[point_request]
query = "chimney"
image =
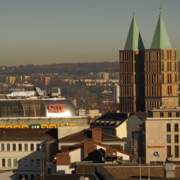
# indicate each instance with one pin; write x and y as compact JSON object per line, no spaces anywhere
{"x":63,"y":159}
{"x":97,"y":134}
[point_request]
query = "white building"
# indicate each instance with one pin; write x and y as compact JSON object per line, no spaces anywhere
{"x":116,"y":93}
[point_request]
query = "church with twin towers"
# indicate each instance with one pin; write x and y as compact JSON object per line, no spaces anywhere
{"x":148,"y":78}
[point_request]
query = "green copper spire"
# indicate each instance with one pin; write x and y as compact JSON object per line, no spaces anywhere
{"x":134,"y":40}
{"x":161,"y":39}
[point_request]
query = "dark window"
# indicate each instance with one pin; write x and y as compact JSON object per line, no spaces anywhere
{"x":176,"y":151}
{"x":32,"y":176}
{"x":168,"y":151}
{"x":176,"y":138}
{"x":176,"y":129}
{"x":14,"y":147}
{"x":32,"y":162}
{"x":26,"y":176}
{"x":38,"y":147}
{"x":38,"y":163}
{"x":177,"y":114}
{"x":161,"y":114}
{"x":32,"y":147}
{"x":2,"y":147}
{"x":168,"y":138}
{"x":3,"y":162}
{"x":20,"y":147}
{"x":168,"y":127}
{"x":169,"y":114}
{"x":20,"y":177}
{"x":8,"y":147}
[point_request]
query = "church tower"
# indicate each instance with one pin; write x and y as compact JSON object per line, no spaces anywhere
{"x":161,"y":71}
{"x":131,"y":71}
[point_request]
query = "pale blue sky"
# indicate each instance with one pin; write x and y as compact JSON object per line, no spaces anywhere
{"x":57,"y":31}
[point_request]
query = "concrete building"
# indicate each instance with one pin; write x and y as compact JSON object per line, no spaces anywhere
{"x":148,"y":78}
{"x":10,"y":79}
{"x":160,"y":135}
{"x":116,"y":93}
{"x":27,"y":151}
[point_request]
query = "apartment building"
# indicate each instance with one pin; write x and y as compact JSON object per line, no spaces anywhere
{"x":160,"y":135}
{"x":27,"y":151}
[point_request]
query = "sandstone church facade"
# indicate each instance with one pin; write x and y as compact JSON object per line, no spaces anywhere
{"x":148,"y":78}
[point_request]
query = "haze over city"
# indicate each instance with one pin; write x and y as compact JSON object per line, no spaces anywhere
{"x":45,"y":32}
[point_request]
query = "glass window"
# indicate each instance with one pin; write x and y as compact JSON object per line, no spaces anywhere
{"x":161,"y":114}
{"x":177,"y":114}
{"x":38,"y":163}
{"x":32,"y":176}
{"x":2,"y":147}
{"x":14,"y":147}
{"x":176,"y":138}
{"x":44,"y":163}
{"x":25,"y":147}
{"x":176,"y":151}
{"x":169,"y":151}
{"x":20,"y":147}
{"x":168,"y":138}
{"x":38,"y":147}
{"x":168,"y":127}
{"x":20,"y":163}
{"x":176,"y":128}
{"x":8,"y":147}
{"x":20,"y":176}
{"x":3,"y":162}
{"x":14,"y":162}
{"x":169,"y":114}
{"x":32,"y":147}
{"x":32,"y":163}
{"x":8,"y":162}
{"x":26,"y":176}
{"x":26,"y":163}
{"x":43,"y":147}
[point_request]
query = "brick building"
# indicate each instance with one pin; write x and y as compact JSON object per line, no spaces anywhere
{"x":148,"y":78}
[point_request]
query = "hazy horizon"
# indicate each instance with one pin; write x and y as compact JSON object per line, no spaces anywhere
{"x":76,"y":31}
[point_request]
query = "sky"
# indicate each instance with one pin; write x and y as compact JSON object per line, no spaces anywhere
{"x":69,"y":31}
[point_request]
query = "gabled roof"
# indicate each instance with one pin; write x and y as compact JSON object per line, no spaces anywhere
{"x":134,"y":40}
{"x":28,"y":134}
{"x":161,"y":39}
{"x":87,"y":134}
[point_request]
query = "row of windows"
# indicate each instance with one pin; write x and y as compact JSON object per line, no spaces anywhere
{"x":169,"y":78}
{"x":176,"y":138}
{"x":176,"y":151}
{"x":22,"y":147}
{"x":176,"y":126}
{"x":25,"y":163}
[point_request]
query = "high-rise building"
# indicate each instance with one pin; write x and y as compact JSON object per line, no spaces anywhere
{"x":116,"y":93}
{"x":148,"y":78}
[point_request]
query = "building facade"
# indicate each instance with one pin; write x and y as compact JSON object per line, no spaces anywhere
{"x":116,"y":93}
{"x":160,"y":136}
{"x":148,"y":78}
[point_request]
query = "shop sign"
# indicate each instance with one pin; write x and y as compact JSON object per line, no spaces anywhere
{"x":155,"y":147}
{"x":56,"y":108}
{"x":156,"y":153}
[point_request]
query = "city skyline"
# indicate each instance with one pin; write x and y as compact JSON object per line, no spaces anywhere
{"x":70,"y":31}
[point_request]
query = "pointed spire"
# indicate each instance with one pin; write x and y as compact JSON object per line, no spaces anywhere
{"x":134,"y":40}
{"x":161,"y":39}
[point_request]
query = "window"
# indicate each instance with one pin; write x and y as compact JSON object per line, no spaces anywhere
{"x":32,"y":176}
{"x":43,"y":147}
{"x":32,"y":147}
{"x":25,"y":147}
{"x":20,"y":163}
{"x":26,"y":176}
{"x":176,"y":129}
{"x":161,"y":114}
{"x":2,"y":147}
{"x":14,"y":147}
{"x":8,"y":162}
{"x":168,"y":151}
{"x":25,"y":163}
{"x":3,"y":162}
{"x":32,"y":163}
{"x":38,"y":163}
{"x":8,"y":147}
{"x":168,"y":127}
{"x":176,"y":151}
{"x":38,"y":147}
{"x":168,"y":138}
{"x":14,"y":162}
{"x":169,"y":114}
{"x":20,"y":147}
{"x":177,"y":114}
{"x":20,"y":176}
{"x":176,"y":138}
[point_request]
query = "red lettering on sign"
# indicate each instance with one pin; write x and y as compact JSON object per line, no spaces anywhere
{"x":155,"y":147}
{"x":56,"y":108}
